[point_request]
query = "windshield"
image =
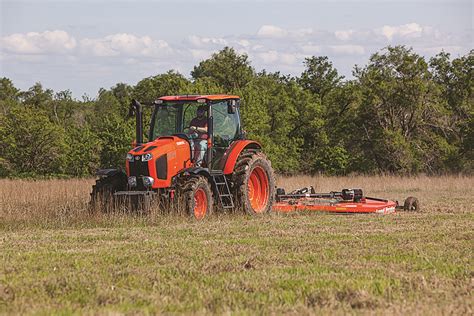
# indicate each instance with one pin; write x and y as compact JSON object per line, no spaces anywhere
{"x":172,"y":118}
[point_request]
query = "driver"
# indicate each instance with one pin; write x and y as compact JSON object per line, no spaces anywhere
{"x":198,"y":132}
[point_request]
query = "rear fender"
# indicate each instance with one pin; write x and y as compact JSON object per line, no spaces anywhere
{"x":199,"y":171}
{"x":232,"y":154}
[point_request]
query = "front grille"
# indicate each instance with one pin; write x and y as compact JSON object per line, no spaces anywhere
{"x":161,"y":165}
{"x":138,"y":168}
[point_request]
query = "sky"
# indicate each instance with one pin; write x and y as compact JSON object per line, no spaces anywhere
{"x":87,"y":45}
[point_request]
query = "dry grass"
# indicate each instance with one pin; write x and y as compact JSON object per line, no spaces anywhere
{"x":57,"y":258}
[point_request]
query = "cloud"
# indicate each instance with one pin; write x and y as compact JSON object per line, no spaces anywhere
{"x":311,"y":49}
{"x":344,"y":35}
{"x":39,"y":43}
{"x":271,"y":31}
{"x":198,"y":41}
{"x":410,"y":30}
{"x":124,"y":44}
{"x":268,"y":47}
{"x":201,"y":54}
{"x":347,"y":49}
{"x":272,"y":57}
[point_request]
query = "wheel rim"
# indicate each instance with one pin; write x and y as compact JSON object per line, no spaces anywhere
{"x":200,"y":204}
{"x":258,"y":189}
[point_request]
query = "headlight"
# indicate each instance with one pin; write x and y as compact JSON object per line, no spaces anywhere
{"x":130,"y":157}
{"x":147,"y":157}
{"x":132,"y":182}
{"x":148,"y":181}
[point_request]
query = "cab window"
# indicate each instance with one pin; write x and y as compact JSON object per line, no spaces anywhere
{"x":225,"y":125}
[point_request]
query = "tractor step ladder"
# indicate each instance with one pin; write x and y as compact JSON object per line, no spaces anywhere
{"x":222,"y":186}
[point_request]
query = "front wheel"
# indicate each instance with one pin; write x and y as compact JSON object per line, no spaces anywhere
{"x":195,"y":195}
{"x":254,"y":183}
{"x":102,"y":195}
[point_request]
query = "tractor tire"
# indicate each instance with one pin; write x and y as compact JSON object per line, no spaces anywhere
{"x":102,"y":195}
{"x":195,"y":197}
{"x":411,"y":204}
{"x":253,"y":183}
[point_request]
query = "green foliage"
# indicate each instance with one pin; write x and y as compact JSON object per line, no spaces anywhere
{"x":30,"y":143}
{"x":400,"y":114}
{"x":170,"y":83}
{"x":319,"y":77}
{"x":269,"y":108}
{"x":114,"y":131}
{"x":226,"y":68}
{"x":83,"y":154}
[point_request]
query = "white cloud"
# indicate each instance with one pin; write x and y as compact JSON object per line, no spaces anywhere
{"x":126,"y":45}
{"x":244,"y":43}
{"x":206,"y":41}
{"x":311,"y":49}
{"x":271,"y":31}
{"x":410,"y":30}
{"x":302,"y":32}
{"x":39,"y":43}
{"x":270,"y":47}
{"x":272,"y":57}
{"x":452,"y":49}
{"x":201,"y":54}
{"x":344,"y":35}
{"x":347,"y":49}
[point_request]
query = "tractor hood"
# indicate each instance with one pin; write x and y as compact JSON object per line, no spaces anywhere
{"x":160,"y":159}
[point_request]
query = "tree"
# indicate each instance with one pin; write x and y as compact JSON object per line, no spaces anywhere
{"x":37,"y":97}
{"x":454,"y":79}
{"x":114,"y":130}
{"x":8,"y":95}
{"x":226,"y":68}
{"x":319,"y":77}
{"x":170,"y":83}
{"x":31,"y":143}
{"x":269,"y":110}
{"x":84,"y":151}
{"x":398,"y":116}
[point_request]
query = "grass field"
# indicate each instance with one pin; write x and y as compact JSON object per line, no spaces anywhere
{"x":55,"y":258}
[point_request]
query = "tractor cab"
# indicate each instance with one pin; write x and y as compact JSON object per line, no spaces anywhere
{"x":210,"y":124}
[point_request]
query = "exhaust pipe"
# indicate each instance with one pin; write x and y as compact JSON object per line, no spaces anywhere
{"x":136,"y":108}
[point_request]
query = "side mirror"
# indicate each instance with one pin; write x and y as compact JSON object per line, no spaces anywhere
{"x":231,"y":106}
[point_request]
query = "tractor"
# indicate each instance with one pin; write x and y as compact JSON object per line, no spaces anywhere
{"x":197,"y":157}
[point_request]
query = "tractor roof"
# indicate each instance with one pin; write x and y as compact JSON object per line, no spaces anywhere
{"x":195,"y":97}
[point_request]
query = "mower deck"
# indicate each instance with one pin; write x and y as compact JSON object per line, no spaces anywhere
{"x":348,"y":201}
{"x":335,"y":206}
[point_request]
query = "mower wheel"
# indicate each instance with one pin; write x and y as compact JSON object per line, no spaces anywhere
{"x":102,"y":195}
{"x":411,"y":204}
{"x":253,"y":183}
{"x":195,"y":195}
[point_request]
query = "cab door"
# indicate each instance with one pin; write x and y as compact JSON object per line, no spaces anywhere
{"x":226,"y":129}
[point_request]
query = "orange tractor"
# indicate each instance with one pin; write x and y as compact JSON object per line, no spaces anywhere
{"x":197,"y":156}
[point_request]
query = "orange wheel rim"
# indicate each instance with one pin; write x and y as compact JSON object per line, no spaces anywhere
{"x":258,"y":189}
{"x":200,"y":204}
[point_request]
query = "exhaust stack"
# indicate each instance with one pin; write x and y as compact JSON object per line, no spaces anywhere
{"x":136,"y":108}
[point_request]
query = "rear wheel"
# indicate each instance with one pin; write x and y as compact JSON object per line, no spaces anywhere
{"x":195,"y":196}
{"x":102,"y":195}
{"x":253,"y":183}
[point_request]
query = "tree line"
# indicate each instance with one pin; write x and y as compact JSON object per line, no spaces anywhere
{"x":400,"y":113}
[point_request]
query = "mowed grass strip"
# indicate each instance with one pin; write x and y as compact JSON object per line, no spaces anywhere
{"x":62,"y":260}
